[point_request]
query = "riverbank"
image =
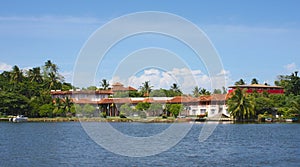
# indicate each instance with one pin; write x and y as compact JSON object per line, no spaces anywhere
{"x":144,"y":120}
{"x":108,"y":119}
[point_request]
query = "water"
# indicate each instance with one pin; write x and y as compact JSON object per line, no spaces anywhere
{"x":66,"y":144}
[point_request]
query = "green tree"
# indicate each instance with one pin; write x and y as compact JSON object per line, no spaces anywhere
{"x":13,"y":103}
{"x":50,"y":67}
{"x":217,"y":91}
{"x":196,"y":91}
{"x":126,"y":110}
{"x":104,"y":84}
{"x":146,"y":88}
{"x":91,"y":88}
{"x":240,"y":106}
{"x":175,"y":90}
{"x":53,"y":81}
{"x":142,"y":106}
{"x":88,"y":110}
{"x":16,"y":74}
{"x":159,"y":93}
{"x":155,"y":109}
{"x":175,"y":109}
{"x":204,"y":91}
{"x":240,"y":82}
{"x":254,"y":81}
{"x":34,"y":75}
{"x":67,"y":105}
{"x":58,"y":110}
{"x":46,"y":110}
{"x":290,"y":83}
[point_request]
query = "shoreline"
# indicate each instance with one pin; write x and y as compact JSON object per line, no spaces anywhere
{"x":141,"y":120}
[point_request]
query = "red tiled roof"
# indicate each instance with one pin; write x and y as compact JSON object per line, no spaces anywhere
{"x":120,"y":87}
{"x":81,"y":92}
{"x":84,"y":101}
{"x":213,"y":97}
{"x":115,"y":100}
{"x":255,"y":86}
{"x":183,"y":99}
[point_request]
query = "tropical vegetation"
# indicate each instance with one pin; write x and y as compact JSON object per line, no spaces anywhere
{"x":27,"y":92}
{"x":243,"y":106}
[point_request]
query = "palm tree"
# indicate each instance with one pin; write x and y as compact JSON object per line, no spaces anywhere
{"x":67,"y":104}
{"x":240,"y":82}
{"x":57,"y":106}
{"x":175,"y":89}
{"x":240,"y":106}
{"x":16,"y":74}
{"x":53,"y":80}
{"x":35,"y":75}
{"x":254,"y":81}
{"x":104,"y":84}
{"x":50,"y":67}
{"x":196,"y":91}
{"x":146,"y":88}
{"x":204,"y":91}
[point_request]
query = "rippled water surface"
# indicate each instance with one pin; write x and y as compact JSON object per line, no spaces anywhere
{"x":67,"y":144}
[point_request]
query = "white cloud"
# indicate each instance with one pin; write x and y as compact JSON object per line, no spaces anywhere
{"x":5,"y":67}
{"x":151,"y":72}
{"x":224,"y":72}
{"x":291,"y":67}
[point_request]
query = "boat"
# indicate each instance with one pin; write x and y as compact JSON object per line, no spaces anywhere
{"x":291,"y":120}
{"x":19,"y":118}
{"x":269,"y":120}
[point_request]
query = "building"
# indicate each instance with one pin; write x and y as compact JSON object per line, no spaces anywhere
{"x":103,"y":101}
{"x":82,"y":94}
{"x":208,"y":105}
{"x":118,"y":87}
{"x":259,"y":88}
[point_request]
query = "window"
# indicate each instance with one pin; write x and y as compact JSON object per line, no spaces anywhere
{"x":194,"y":112}
{"x":202,"y":111}
{"x":220,"y":109}
{"x":212,"y":111}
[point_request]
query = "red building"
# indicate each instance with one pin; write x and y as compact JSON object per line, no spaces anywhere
{"x":258,"y":88}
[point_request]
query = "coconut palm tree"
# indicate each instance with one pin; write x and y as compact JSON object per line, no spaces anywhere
{"x":240,"y":106}
{"x":67,"y":105}
{"x":196,"y":91}
{"x":34,"y":75}
{"x":16,"y":74}
{"x":50,"y":67}
{"x":175,"y":88}
{"x":240,"y":82}
{"x":104,"y":84}
{"x":204,"y":91}
{"x":146,"y":88}
{"x":53,"y":80}
{"x":57,"y":106}
{"x":254,"y":81}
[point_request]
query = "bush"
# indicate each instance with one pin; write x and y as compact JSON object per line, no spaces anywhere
{"x":143,"y":115}
{"x":122,"y":116}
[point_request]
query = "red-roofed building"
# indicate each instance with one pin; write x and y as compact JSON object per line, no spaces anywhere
{"x":204,"y":105}
{"x":118,"y":87}
{"x":258,"y":88}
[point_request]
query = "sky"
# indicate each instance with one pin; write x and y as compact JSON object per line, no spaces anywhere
{"x":253,"y":38}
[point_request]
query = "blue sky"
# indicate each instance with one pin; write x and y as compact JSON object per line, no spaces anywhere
{"x":254,"y":39}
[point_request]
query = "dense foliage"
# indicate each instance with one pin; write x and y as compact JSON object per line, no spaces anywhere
{"x":27,"y":92}
{"x":243,"y":106}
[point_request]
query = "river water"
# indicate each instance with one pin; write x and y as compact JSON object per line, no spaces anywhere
{"x":67,"y":144}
